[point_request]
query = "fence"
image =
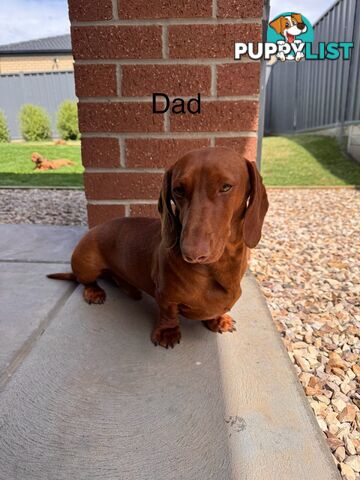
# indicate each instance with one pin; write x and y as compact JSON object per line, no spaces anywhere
{"x":315,"y":94}
{"x":47,"y":89}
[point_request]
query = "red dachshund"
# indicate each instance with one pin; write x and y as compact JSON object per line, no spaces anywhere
{"x":212,"y":208}
{"x":42,"y":163}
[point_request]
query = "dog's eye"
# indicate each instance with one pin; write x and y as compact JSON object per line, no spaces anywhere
{"x":226,"y":187}
{"x":179,"y":191}
{"x":287,"y":24}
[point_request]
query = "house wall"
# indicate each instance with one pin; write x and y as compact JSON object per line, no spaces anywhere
{"x":35,"y":63}
{"x":126,"y":51}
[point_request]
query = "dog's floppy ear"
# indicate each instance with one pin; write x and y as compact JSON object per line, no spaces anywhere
{"x":297,"y":17}
{"x":257,"y":207}
{"x":170,"y":223}
{"x":276,"y":25}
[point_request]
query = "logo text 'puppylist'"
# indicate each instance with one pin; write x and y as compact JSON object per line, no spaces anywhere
{"x":290,"y":36}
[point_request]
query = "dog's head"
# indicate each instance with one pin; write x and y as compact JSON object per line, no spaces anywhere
{"x":205,"y":196}
{"x":36,"y":158}
{"x":289,"y":26}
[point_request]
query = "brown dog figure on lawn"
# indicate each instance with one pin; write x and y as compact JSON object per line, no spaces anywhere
{"x":212,"y":206}
{"x":42,"y":163}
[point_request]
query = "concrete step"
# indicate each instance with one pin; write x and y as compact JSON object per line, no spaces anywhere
{"x":94,"y":399}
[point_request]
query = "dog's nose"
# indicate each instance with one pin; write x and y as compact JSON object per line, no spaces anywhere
{"x":301,"y":26}
{"x":196,"y":253}
{"x":200,"y":259}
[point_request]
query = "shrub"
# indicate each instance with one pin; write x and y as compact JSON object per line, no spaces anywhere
{"x":67,"y":121}
{"x":4,"y":130}
{"x":35,"y":123}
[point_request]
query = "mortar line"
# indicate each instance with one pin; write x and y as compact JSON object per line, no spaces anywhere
{"x":115,"y":10}
{"x":147,"y":99}
{"x":167,"y":135}
{"x":167,"y":121}
{"x":122,"y":153}
{"x":118,"y":79}
{"x":29,"y":344}
{"x":127,"y":209}
{"x":213,"y":87}
{"x":161,"y":61}
{"x":123,"y":202}
{"x":165,"y":42}
{"x":214,"y":8}
{"x":169,"y":21}
{"x":123,"y":169}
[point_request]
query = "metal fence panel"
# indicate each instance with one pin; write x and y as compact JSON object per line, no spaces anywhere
{"x":47,"y":89}
{"x":321,"y":93}
{"x":280,"y":113}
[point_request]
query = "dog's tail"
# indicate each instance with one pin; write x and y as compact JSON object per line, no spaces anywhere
{"x":63,"y":276}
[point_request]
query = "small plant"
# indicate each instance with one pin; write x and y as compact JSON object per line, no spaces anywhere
{"x":67,"y":121}
{"x":4,"y":130}
{"x":35,"y":123}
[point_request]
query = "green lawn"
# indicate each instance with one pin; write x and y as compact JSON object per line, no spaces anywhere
{"x":307,"y":160}
{"x":17,"y":169}
{"x":302,"y":160}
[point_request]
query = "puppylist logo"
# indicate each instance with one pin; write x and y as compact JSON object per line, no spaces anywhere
{"x":290,"y":36}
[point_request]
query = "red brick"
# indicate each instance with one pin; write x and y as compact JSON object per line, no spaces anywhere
{"x":157,"y":153}
{"x":246,"y":146}
{"x":210,"y":41}
{"x":218,"y":116}
{"x":240,"y":8}
{"x":100,"y":152}
{"x":117,"y":42}
{"x":165,"y":9}
{"x":95,"y":80}
{"x":144,"y":210}
{"x":120,"y":186}
{"x":102,"y":213}
{"x":90,"y":10}
{"x":238,"y":79}
{"x":119,"y":117}
{"x":183,"y":80}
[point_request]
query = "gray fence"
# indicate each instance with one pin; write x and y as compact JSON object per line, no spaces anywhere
{"x":47,"y":89}
{"x":316,"y":94}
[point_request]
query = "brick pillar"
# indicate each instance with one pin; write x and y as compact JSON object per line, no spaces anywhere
{"x":124,"y":52}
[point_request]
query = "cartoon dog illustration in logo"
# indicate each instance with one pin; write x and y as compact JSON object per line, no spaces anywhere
{"x":289,"y":26}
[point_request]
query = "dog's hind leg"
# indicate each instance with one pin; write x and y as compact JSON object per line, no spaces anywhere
{"x":94,"y":294}
{"x":88,"y":265}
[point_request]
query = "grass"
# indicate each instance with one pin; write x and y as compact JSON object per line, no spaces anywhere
{"x":17,"y":169}
{"x":307,"y":160}
{"x":301,"y":160}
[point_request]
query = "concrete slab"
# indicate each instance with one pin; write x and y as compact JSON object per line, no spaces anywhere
{"x":38,"y":243}
{"x":28,"y":300}
{"x":96,"y":400}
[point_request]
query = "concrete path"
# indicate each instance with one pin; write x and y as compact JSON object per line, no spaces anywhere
{"x":84,"y":394}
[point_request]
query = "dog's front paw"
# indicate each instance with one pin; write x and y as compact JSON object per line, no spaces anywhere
{"x":166,"y":337}
{"x":223,"y":324}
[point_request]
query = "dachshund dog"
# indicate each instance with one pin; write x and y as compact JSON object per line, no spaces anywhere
{"x":42,"y":163}
{"x":212,"y":207}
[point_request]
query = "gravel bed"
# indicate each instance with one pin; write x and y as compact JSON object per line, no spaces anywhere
{"x":49,"y":207}
{"x":308,"y":265}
